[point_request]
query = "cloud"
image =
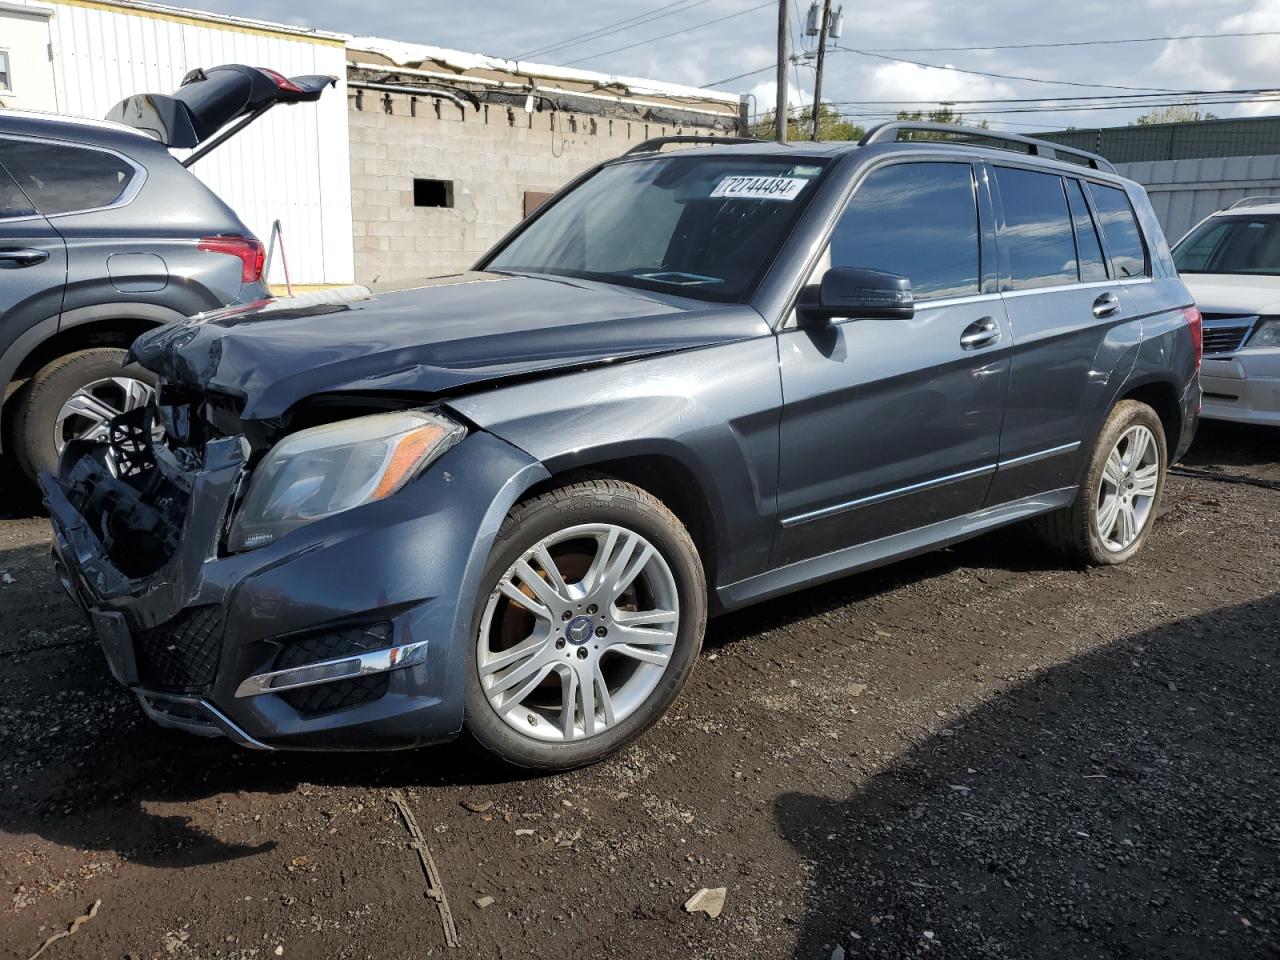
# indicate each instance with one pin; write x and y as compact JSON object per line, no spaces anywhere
{"x":906,"y":81}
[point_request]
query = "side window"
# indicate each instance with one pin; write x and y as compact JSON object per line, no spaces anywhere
{"x":13,"y":203}
{"x":1037,"y":229}
{"x":1088,"y":247}
{"x":1120,"y":229}
{"x":61,"y":179}
{"x":918,"y":220}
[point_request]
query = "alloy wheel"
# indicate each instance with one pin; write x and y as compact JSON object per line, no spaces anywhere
{"x":1127,"y":488}
{"x":87,"y":412}
{"x":578,"y":632}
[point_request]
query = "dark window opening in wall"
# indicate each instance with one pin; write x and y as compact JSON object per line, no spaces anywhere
{"x":432,"y":193}
{"x":533,"y":199}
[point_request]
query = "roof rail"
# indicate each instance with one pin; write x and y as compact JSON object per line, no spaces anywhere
{"x":1037,"y":148}
{"x":657,"y":143}
{"x":1255,"y":201}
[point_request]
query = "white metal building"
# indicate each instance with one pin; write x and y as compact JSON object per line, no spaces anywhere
{"x":82,"y":57}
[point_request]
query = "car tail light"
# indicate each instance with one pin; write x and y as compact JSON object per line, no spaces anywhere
{"x":1196,"y":324}
{"x":249,"y":249}
{"x":283,"y":82}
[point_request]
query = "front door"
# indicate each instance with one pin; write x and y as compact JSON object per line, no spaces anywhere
{"x":890,"y":425}
{"x":33,"y":265}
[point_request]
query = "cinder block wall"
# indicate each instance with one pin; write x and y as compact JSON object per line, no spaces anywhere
{"x":492,"y":157}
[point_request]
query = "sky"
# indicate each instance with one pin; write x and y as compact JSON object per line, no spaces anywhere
{"x":745,"y":36}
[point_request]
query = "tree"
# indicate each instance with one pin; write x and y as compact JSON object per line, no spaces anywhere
{"x":1174,"y":113}
{"x":941,"y":115}
{"x":830,"y":125}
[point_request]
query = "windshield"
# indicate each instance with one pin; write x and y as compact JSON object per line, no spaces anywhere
{"x":697,"y":226}
{"x":1231,"y":245}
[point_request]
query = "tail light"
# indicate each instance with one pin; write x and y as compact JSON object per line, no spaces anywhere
{"x":250,"y":250}
{"x":1195,"y":323}
{"x":283,"y":82}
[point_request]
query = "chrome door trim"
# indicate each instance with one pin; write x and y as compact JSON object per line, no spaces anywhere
{"x":881,"y":497}
{"x":1039,"y":455}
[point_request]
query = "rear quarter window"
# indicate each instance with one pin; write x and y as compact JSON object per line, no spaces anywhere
{"x":1120,"y":230}
{"x":59,"y":178}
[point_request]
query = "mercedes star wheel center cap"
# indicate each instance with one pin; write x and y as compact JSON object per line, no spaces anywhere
{"x":579,"y":630}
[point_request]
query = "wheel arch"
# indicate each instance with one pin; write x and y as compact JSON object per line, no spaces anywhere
{"x":1161,"y":395}
{"x":102,"y":325}
{"x":667,"y":477}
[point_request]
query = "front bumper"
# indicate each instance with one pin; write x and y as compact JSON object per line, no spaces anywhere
{"x":1244,"y":388}
{"x":403,"y":570}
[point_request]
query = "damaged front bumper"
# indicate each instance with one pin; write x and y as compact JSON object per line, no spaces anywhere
{"x":347,"y":633}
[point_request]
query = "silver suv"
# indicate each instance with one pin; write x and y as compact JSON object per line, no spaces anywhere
{"x":103,"y":235}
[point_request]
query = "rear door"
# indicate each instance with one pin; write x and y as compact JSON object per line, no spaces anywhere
{"x":33,"y":263}
{"x":1073,"y":325}
{"x":889,"y":425}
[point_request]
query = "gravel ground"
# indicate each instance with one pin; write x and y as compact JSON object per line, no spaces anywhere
{"x":977,"y":753}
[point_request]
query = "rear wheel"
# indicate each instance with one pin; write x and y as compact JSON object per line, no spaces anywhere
{"x":589,"y":620}
{"x":1116,"y":506}
{"x":74,"y":397}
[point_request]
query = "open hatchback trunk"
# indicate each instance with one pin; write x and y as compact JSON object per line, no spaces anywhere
{"x":209,"y":100}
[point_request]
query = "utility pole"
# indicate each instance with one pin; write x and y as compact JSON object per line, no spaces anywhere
{"x":784,"y":56}
{"x":817,"y":76}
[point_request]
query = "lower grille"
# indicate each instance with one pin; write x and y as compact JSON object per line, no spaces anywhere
{"x":333,"y":646}
{"x":181,"y":655}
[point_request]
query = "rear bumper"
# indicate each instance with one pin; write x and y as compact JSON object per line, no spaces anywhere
{"x":1244,"y":388}
{"x":403,"y":571}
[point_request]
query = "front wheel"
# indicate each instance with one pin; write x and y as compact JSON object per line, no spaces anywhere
{"x":590,"y":616}
{"x":1120,"y":493}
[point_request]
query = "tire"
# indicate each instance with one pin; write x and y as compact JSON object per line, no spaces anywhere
{"x":1076,"y":531}
{"x":523,"y":720}
{"x":35,"y":442}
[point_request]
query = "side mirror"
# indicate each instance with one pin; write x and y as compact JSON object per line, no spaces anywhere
{"x":854,"y":293}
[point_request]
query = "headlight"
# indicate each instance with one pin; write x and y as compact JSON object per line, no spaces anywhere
{"x":1266,"y":334}
{"x":324,"y":470}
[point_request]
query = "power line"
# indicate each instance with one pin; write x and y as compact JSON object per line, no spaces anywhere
{"x":1138,"y":98}
{"x":616,"y":27}
{"x":674,"y":33}
{"x":1072,"y":43}
{"x":1003,"y":76}
{"x":870,"y":51}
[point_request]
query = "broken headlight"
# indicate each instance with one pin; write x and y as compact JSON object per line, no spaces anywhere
{"x":324,"y":470}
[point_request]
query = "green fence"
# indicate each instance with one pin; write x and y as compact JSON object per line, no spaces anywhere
{"x":1246,"y":137}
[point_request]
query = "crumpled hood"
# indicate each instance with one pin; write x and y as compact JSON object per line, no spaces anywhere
{"x":452,"y":332}
{"x":1234,"y":293}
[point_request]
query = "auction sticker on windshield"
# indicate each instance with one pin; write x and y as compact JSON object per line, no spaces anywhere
{"x":759,"y":188}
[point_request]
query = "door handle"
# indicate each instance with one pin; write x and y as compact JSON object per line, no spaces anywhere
{"x":980,"y":333}
{"x":12,"y":257}
{"x":1107,"y":305}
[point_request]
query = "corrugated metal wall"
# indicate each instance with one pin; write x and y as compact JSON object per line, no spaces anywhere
{"x":1231,"y":137}
{"x":293,"y":164}
{"x":1183,"y":192}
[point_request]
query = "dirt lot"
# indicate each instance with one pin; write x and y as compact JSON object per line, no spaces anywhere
{"x":979,"y":753}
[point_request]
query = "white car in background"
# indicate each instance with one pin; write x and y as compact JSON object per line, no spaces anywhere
{"x":1231,"y":263}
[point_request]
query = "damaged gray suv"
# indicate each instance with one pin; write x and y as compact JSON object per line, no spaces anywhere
{"x":507,"y":501}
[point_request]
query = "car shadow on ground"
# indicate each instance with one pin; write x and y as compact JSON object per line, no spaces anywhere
{"x":1122,"y":804}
